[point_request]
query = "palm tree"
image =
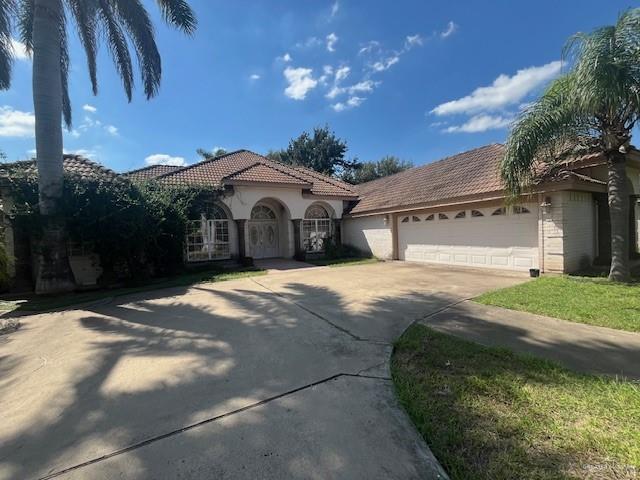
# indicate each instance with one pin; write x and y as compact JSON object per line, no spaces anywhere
{"x":42,"y":25}
{"x":596,"y":102}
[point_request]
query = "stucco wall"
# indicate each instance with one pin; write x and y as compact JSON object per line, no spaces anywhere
{"x":244,"y":198}
{"x":369,"y":234}
{"x":567,"y":230}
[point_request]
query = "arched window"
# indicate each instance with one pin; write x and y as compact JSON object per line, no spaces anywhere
{"x":262,"y":212}
{"x":415,"y":219}
{"x":404,"y":220}
{"x":519,"y":210}
{"x":208,"y":238}
{"x":462,"y":214}
{"x":429,"y":218}
{"x":316,"y":229}
{"x":442,"y":216}
{"x":477,"y":213}
{"x":499,"y":211}
{"x":316,"y":211}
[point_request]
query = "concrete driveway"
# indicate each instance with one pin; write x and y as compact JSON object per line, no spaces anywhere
{"x":279,"y":376}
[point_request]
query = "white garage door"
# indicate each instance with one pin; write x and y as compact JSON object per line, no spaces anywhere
{"x":495,"y":237}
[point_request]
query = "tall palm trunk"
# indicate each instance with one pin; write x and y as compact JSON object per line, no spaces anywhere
{"x":53,"y":272}
{"x":619,"y":213}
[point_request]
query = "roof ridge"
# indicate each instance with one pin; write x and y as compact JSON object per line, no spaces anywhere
{"x":148,"y":167}
{"x":201,"y":162}
{"x":281,"y":167}
{"x":332,"y":180}
{"x":435,"y":162}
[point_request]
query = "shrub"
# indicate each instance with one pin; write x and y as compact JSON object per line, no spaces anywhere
{"x":137,"y":229}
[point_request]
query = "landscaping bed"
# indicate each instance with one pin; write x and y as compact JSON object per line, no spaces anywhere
{"x":594,"y":301}
{"x":487,"y":413}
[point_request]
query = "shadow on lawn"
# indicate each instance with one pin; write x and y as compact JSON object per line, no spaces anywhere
{"x":158,"y":361}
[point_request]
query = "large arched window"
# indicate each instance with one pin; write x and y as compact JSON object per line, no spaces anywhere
{"x":208,"y":238}
{"x":316,"y":228}
{"x":262,"y":212}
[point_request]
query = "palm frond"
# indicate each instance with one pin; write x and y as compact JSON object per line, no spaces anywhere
{"x":179,"y":14}
{"x":85,"y":14}
{"x":117,"y":45}
{"x":7,"y":10}
{"x":135,"y":19}
{"x":553,"y":121}
{"x":25,"y":24}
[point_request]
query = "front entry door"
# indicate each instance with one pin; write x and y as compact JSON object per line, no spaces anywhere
{"x":263,"y":239}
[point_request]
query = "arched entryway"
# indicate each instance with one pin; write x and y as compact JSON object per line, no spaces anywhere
{"x":263,"y":232}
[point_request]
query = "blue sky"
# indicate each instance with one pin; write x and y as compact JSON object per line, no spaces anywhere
{"x":416,"y":79}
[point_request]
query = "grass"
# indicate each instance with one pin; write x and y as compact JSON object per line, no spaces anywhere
{"x":33,"y":303}
{"x":341,"y":262}
{"x":488,"y":413}
{"x":594,"y":301}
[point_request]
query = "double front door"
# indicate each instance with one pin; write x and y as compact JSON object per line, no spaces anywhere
{"x":263,"y":238}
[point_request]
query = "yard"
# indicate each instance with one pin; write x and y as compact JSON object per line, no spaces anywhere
{"x":487,"y":413}
{"x":593,"y":301}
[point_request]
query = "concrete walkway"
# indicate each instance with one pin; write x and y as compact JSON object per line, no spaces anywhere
{"x":581,"y":347}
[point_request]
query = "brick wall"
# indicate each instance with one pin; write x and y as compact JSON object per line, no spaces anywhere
{"x":369,"y":234}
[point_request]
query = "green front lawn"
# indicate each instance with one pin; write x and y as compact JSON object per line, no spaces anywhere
{"x":33,"y":303}
{"x":341,"y":262}
{"x":594,"y":301}
{"x":487,"y":413}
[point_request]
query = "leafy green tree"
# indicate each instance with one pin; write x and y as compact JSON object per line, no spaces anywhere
{"x":595,"y":103}
{"x":42,"y":25}
{"x":322,"y":152}
{"x":210,"y":154}
{"x":368,"y":171}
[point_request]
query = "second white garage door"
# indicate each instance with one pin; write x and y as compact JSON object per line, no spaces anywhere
{"x":484,"y":237}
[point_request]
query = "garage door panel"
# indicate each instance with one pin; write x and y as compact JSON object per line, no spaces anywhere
{"x":503,"y":241}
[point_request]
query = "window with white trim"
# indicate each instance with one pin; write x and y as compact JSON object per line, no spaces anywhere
{"x":316,"y":229}
{"x":208,"y":238}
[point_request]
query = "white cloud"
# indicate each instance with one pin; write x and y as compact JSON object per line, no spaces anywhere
{"x":286,"y":58}
{"x":332,"y":38}
{"x":254,"y":77}
{"x":352,"y":102}
{"x":384,"y":64}
{"x":74,"y":133}
{"x":19,"y":50}
{"x":413,"y":40}
{"x":83,"y":152}
{"x":164,"y":159}
{"x":450,"y":30}
{"x":365,"y":86}
{"x":369,"y":47}
{"x":15,"y":123}
{"x":342,"y":73}
{"x":301,"y":82}
{"x":112,"y":130}
{"x":89,"y":108}
{"x":334,"y":8}
{"x":481,"y":123}
{"x":309,"y":42}
{"x":504,"y":91}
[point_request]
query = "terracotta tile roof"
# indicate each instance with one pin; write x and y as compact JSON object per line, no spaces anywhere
{"x":246,"y":166}
{"x":469,"y":173}
{"x":264,"y":174}
{"x":150,"y":172}
{"x":72,"y":164}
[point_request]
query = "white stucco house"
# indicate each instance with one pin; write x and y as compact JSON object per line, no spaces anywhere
{"x":267,"y":209}
{"x":450,"y":212}
{"x":453,"y":212}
